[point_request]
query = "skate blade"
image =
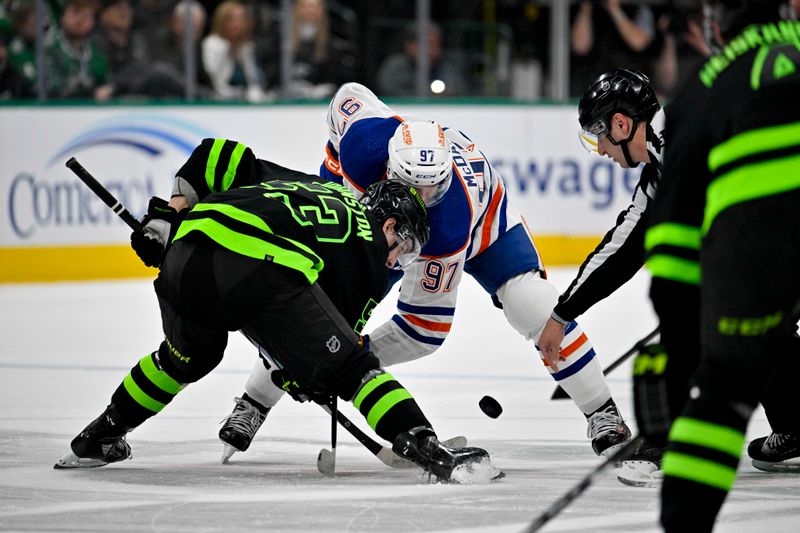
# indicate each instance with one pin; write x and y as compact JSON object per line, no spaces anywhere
{"x":644,"y":474}
{"x":73,"y":461}
{"x":456,"y":442}
{"x":611,"y":450}
{"x":477,"y":473}
{"x":790,"y":466}
{"x":227,"y":453}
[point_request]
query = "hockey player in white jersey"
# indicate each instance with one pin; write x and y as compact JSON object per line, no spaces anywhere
{"x":475,"y":229}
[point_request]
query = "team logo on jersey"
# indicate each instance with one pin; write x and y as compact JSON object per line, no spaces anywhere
{"x":333,"y":344}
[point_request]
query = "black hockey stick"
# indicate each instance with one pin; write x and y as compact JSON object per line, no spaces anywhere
{"x":560,"y":394}
{"x":386,"y":455}
{"x":103,"y":194}
{"x":571,"y":495}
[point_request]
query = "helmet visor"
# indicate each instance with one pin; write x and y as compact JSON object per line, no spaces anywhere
{"x":588,"y":141}
{"x":592,"y":133}
{"x":406,"y":248}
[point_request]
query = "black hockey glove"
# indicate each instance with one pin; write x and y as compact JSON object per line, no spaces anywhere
{"x":650,"y":397}
{"x":160,"y":224}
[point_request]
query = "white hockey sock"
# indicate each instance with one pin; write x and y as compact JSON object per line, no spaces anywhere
{"x":587,"y":387}
{"x":260,"y":387}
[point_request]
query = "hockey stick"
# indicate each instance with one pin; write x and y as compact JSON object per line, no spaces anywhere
{"x":571,"y":495}
{"x":386,"y":455}
{"x":326,"y":460}
{"x":103,"y":194}
{"x":560,"y":394}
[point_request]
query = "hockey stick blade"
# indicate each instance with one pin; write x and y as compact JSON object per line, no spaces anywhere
{"x":574,"y":493}
{"x":326,"y":462}
{"x":384,"y":454}
{"x":561,"y":394}
{"x":109,"y":199}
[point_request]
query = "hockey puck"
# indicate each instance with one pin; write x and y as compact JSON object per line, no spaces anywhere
{"x":490,"y":407}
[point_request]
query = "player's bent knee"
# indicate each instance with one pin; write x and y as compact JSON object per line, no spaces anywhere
{"x":183,"y":367}
{"x":528,"y":301}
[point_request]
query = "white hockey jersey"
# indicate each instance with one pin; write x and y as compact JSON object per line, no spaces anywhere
{"x":473,"y":216}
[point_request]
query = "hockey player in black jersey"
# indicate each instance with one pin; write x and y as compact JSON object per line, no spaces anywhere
{"x":725,"y":220}
{"x":253,"y":258}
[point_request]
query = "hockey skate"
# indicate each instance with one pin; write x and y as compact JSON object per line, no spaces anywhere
{"x":607,"y":430}
{"x":779,"y":452}
{"x":465,"y":466}
{"x":643,"y":467}
{"x":240,"y":427}
{"x":100,"y":443}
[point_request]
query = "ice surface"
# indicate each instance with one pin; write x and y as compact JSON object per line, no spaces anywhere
{"x":65,"y":347}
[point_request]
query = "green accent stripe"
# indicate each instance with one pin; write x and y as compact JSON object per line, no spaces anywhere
{"x":235,"y":213}
{"x":750,"y":182}
{"x":159,"y":378}
{"x":370,"y":386}
{"x":384,"y":404}
{"x":256,"y":248}
{"x":698,"y":470}
{"x":708,"y":435}
{"x":758,"y":66}
{"x":674,"y":268}
{"x":140,"y":396}
{"x":233,"y":164}
{"x":672,"y":234}
{"x":211,"y":164}
{"x":754,"y":142}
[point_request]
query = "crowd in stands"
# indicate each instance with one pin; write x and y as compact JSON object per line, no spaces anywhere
{"x":103,"y":49}
{"x":128,"y":49}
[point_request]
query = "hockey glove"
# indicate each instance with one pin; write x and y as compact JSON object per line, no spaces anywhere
{"x":160,"y":224}
{"x":650,"y":394}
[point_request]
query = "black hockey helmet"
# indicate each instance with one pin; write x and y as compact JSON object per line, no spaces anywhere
{"x":618,"y":90}
{"x":395,"y":199}
{"x":732,"y":16}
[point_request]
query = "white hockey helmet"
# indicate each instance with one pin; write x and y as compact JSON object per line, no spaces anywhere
{"x":419,"y":155}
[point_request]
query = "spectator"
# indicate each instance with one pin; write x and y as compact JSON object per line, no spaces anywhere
{"x":322,"y":60}
{"x":685,"y":47}
{"x":167,"y":77}
{"x":397,"y":74}
{"x":127,"y":54}
{"x":75,"y":68}
{"x":21,"y":55}
{"x":606,"y":35}
{"x":229,"y":55}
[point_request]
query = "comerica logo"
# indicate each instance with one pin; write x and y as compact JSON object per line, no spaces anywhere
{"x":34,"y":204}
{"x":133,"y":155}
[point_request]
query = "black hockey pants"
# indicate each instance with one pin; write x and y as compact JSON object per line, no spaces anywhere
{"x":206,"y":291}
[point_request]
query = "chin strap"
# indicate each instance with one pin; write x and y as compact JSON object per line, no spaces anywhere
{"x":627,"y":154}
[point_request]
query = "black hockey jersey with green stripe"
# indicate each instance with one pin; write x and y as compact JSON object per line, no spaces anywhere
{"x":732,"y":135}
{"x":297,"y":220}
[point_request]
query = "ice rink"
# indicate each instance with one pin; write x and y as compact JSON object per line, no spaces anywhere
{"x":64,"y":348}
